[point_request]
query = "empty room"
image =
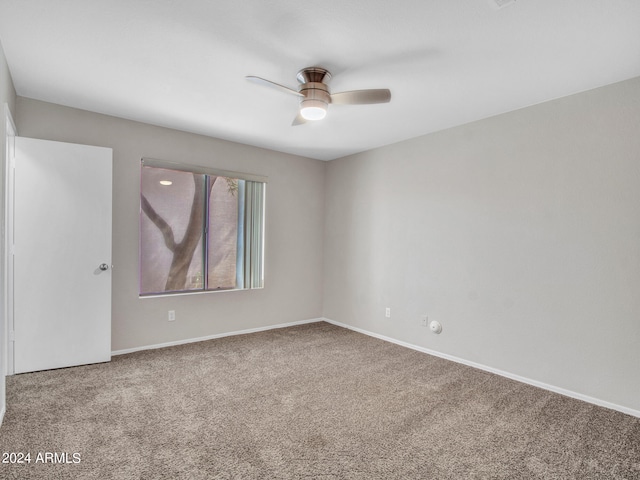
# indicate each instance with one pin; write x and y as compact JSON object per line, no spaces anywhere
{"x":332,"y":240}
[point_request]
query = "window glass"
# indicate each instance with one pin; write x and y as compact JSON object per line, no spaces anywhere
{"x":199,"y":231}
{"x":223,"y":233}
{"x":171,"y":227}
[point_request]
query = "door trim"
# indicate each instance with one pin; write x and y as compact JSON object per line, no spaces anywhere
{"x":7,"y":274}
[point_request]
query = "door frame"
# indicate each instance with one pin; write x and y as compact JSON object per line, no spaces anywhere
{"x":7,"y":275}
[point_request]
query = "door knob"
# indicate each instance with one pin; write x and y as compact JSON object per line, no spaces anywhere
{"x":104,"y":266}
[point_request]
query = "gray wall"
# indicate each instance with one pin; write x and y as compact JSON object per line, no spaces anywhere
{"x":294,"y":226}
{"x":8,"y":96}
{"x":520,"y":233}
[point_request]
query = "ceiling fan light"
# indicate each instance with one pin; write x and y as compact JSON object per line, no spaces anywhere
{"x":311,"y":109}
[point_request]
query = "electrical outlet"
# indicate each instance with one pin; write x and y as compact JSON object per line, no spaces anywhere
{"x":387,"y":312}
{"x":172,"y":315}
{"x":425,"y":320}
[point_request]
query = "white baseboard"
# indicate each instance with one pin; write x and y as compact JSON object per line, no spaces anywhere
{"x":2,"y":412}
{"x":211,"y":337}
{"x":535,"y":383}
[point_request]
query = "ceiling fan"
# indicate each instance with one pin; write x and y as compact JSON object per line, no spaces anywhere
{"x":315,"y":95}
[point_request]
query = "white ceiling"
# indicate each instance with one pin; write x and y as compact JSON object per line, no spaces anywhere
{"x":181,"y":64}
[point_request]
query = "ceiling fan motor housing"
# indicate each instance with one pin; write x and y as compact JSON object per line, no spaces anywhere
{"x":316,"y":93}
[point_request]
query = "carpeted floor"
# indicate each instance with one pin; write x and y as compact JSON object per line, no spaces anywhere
{"x":313,"y":401}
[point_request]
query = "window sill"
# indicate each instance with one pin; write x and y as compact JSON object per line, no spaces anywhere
{"x":199,"y":292}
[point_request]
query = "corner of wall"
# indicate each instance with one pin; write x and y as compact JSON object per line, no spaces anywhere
{"x":7,"y":88}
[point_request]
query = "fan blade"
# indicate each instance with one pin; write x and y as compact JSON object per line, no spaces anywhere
{"x":269,"y":83}
{"x":299,"y":120}
{"x":361,"y":97}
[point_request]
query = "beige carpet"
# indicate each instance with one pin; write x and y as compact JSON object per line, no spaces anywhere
{"x":315,"y":402}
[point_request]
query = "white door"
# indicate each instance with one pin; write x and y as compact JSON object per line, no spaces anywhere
{"x":62,"y":254}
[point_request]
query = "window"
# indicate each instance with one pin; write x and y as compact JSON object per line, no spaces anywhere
{"x":200,"y":229}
